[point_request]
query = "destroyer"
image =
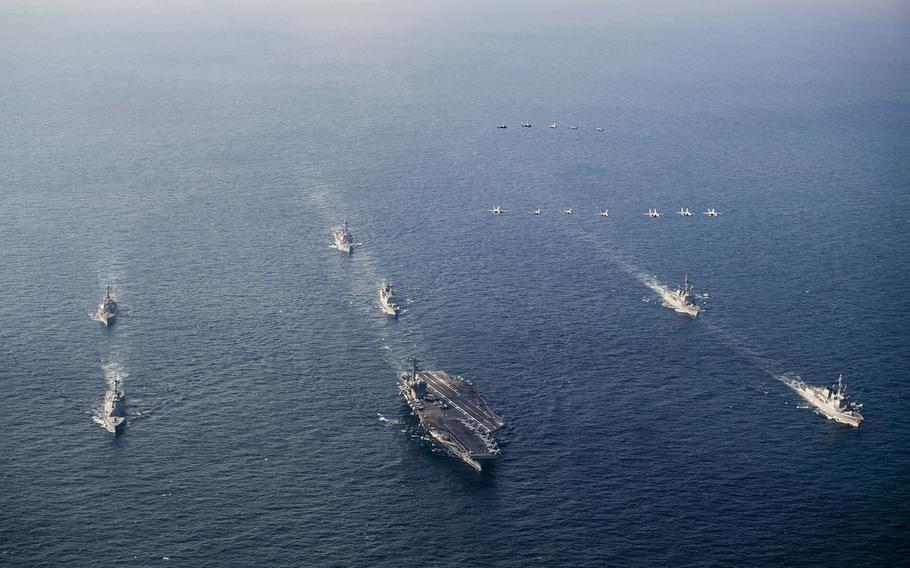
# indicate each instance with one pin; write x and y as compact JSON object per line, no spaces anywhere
{"x":107,"y":309}
{"x":454,"y":414}
{"x":113,"y":414}
{"x":343,"y":239}
{"x":831,"y":401}
{"x":681,"y":299}
{"x":386,"y":303}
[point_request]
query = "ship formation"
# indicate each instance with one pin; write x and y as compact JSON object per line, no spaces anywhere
{"x":387,"y":300}
{"x":343,"y":239}
{"x":454,"y":414}
{"x":681,"y":299}
{"x":832,"y":401}
{"x":107,"y":309}
{"x":449,"y":409}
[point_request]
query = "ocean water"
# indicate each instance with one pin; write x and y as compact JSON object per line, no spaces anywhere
{"x":197,"y":159}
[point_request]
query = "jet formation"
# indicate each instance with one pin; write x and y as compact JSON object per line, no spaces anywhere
{"x":652,"y":213}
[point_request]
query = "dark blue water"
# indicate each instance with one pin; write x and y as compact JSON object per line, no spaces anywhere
{"x":198,"y":161}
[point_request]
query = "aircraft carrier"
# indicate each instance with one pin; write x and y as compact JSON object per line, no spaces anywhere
{"x":454,"y":414}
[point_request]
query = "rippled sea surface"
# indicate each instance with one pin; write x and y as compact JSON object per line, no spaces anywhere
{"x":197,"y":161}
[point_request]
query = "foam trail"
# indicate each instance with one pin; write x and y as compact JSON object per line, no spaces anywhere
{"x":613,"y":255}
{"x":742,"y":347}
{"x":111,"y":272}
{"x":390,"y":422}
{"x":114,"y":373}
{"x":791,"y":380}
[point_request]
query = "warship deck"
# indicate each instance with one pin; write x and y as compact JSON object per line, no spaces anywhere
{"x":464,"y":403}
{"x":454,"y":414}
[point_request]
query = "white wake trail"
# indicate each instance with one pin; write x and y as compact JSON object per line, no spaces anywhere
{"x":608,"y":250}
{"x":114,"y":373}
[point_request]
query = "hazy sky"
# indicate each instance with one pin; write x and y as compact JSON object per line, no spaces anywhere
{"x":507,"y":16}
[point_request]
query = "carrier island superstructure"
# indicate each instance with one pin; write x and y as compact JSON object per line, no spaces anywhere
{"x":454,"y":414}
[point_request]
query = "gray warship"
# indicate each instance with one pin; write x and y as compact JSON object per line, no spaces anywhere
{"x":454,"y":414}
{"x":386,"y":300}
{"x":113,"y":413}
{"x":107,"y":309}
{"x":681,"y":299}
{"x":833,"y":401}
{"x":343,"y":239}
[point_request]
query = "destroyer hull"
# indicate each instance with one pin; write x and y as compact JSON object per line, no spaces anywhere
{"x":837,"y":417}
{"x":828,"y":411}
{"x":692,"y":312}
{"x":386,"y":301}
{"x":679,"y":307}
{"x":114,"y":424}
